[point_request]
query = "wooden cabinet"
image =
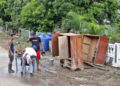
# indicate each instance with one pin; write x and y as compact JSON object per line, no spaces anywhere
{"x":70,"y":50}
{"x":74,"y":49}
{"x":95,"y":48}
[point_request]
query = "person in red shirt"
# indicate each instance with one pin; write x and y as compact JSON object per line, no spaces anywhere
{"x":57,"y":32}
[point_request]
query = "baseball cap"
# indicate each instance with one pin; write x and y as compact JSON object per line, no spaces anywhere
{"x":58,"y":30}
{"x":33,"y":33}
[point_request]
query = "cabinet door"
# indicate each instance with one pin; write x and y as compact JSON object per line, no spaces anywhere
{"x":101,"y":50}
{"x":76,"y":51}
{"x":55,"y":50}
{"x":63,"y":47}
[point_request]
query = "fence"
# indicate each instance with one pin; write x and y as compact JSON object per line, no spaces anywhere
{"x":113,"y":55}
{"x":26,"y":33}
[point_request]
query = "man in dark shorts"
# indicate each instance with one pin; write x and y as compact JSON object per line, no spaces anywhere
{"x":36,"y":41}
{"x":11,"y":53}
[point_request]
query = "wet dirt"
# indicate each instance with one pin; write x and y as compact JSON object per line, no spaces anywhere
{"x":46,"y":77}
{"x":43,"y":78}
{"x":54,"y":75}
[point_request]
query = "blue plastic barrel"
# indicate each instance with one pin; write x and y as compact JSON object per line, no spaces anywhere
{"x":50,"y":34}
{"x":45,"y":40}
{"x":49,"y":37}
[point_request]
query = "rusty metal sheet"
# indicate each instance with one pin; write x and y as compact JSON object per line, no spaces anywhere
{"x":63,"y":47}
{"x":101,"y":50}
{"x":76,"y":51}
{"x":55,"y":49}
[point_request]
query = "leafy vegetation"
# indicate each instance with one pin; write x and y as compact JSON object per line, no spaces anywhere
{"x":84,"y":16}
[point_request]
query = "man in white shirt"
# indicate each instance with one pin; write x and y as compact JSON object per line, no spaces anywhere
{"x":27,"y":57}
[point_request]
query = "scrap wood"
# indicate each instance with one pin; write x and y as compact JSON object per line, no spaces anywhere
{"x":93,"y":65}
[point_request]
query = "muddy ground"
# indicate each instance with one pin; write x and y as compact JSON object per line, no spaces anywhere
{"x":54,"y":75}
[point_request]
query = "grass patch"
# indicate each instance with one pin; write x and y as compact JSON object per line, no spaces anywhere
{"x":116,"y":76}
{"x":3,"y":35}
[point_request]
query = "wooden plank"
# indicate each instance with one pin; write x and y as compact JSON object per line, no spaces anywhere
{"x":86,"y":40}
{"x":95,"y":66}
{"x":86,"y":48}
{"x":101,"y":50}
{"x":76,"y":52}
{"x":55,"y":49}
{"x":73,"y":53}
{"x":69,"y":34}
{"x":86,"y":44}
{"x":63,"y":47}
{"x":79,"y":52}
{"x":85,"y":56}
{"x":89,"y":47}
{"x":93,"y":45}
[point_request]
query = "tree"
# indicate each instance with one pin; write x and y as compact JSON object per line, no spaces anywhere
{"x":44,"y":15}
{"x":32,"y":15}
{"x":13,"y":10}
{"x":3,"y":6}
